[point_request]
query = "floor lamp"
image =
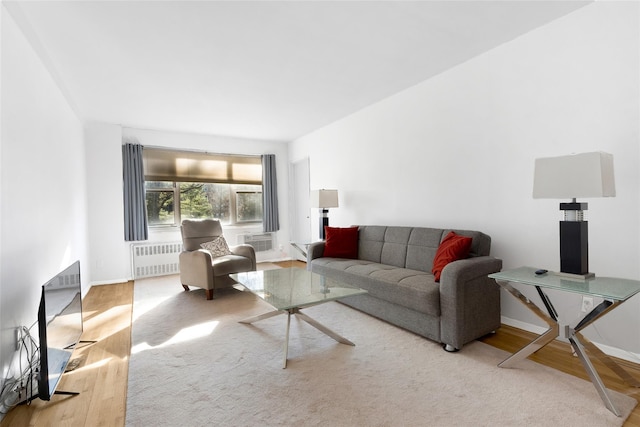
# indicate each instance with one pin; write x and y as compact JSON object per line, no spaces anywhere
{"x":569,"y":177}
{"x":324,"y":199}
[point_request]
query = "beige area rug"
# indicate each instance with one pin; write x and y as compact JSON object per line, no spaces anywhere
{"x":193,"y":364}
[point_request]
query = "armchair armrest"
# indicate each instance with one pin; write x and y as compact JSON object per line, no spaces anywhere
{"x":246,"y":251}
{"x":315,"y":250}
{"x":195,"y":268}
{"x":469,"y":300}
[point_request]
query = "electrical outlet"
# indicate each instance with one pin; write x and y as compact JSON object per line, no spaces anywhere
{"x":18,"y":338}
{"x":587,"y":304}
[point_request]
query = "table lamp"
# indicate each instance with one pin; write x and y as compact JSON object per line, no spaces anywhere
{"x":324,"y":199}
{"x":570,"y":177}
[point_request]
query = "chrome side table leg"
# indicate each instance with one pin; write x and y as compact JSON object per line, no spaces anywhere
{"x":535,"y":345}
{"x":552,"y":333}
{"x":593,"y":374}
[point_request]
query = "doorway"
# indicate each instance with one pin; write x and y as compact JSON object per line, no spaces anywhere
{"x":299,"y":207}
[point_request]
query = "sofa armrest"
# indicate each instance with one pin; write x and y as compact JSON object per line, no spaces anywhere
{"x":469,"y":300}
{"x":246,"y":251}
{"x":315,"y":250}
{"x":195,"y":268}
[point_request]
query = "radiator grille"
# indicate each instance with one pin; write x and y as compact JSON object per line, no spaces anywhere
{"x":261,"y":242}
{"x":155,"y":259}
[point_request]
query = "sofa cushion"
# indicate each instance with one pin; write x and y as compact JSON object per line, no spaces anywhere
{"x":422,"y":247}
{"x":394,"y":248}
{"x":452,"y":248}
{"x":371,"y":238}
{"x":341,"y":242}
{"x":409,"y":288}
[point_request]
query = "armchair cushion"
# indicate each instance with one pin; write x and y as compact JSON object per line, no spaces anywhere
{"x":217,"y":247}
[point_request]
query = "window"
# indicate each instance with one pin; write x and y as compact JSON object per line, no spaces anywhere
{"x":189,"y":185}
{"x":248,"y":206}
{"x":160,"y":202}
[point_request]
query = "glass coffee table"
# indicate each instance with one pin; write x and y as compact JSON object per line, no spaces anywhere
{"x":288,"y":290}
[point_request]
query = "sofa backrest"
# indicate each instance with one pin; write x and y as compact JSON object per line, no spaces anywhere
{"x":411,"y":247}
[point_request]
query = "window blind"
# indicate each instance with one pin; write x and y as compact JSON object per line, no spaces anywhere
{"x":191,"y":166}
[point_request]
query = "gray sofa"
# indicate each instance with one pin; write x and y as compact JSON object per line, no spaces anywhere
{"x":394,"y":265}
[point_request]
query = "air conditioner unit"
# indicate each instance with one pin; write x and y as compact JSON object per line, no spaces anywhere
{"x":260,"y":241}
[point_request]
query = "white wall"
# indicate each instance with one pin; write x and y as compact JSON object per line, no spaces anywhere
{"x":458,"y":151}
{"x":110,"y":254}
{"x":43,"y":204}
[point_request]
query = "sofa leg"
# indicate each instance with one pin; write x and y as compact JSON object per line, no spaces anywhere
{"x":209,"y":293}
{"x":186,"y":288}
{"x":449,"y":348}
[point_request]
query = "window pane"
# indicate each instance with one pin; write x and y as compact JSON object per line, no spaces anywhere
{"x":160,"y":207}
{"x":151,"y":185}
{"x":249,"y":206}
{"x":230,"y":203}
{"x":204,"y":200}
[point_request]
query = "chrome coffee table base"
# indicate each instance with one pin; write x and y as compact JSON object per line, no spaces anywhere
{"x":296,"y":311}
{"x":288,"y":290}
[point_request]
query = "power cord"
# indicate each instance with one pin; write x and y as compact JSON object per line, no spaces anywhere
{"x":13,"y":387}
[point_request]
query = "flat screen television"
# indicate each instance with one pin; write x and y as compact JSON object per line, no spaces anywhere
{"x":59,"y":327}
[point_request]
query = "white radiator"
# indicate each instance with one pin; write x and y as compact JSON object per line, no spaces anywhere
{"x":260,"y":241}
{"x":155,"y":259}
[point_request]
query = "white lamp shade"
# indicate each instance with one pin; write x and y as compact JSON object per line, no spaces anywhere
{"x":324,"y":198}
{"x":573,"y":176}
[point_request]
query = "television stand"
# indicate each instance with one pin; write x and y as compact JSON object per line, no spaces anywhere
{"x":62,"y":392}
{"x":74,"y":346}
{"x":66,"y":393}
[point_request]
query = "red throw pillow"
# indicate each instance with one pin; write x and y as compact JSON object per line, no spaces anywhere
{"x":341,"y":242}
{"x":452,"y":248}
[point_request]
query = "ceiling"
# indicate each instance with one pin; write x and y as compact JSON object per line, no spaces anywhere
{"x":264,"y":70}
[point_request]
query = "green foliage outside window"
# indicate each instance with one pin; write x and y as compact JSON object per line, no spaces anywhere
{"x":231,"y":203}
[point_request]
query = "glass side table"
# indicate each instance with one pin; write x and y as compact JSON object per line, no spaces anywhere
{"x":614,"y":292}
{"x":301,"y":247}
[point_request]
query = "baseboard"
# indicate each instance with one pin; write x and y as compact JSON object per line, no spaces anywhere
{"x":109,"y":282}
{"x":607,"y":349}
{"x":522,"y":325}
{"x":277,"y":259}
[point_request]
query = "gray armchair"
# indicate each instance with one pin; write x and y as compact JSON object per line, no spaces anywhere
{"x":197,"y":266}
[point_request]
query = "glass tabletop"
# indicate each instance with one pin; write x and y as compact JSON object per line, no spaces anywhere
{"x":286,"y":288}
{"x":604,"y":287}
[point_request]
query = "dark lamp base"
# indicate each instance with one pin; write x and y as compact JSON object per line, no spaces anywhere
{"x":574,"y":247}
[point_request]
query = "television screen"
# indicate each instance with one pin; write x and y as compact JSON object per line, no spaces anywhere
{"x":59,"y":327}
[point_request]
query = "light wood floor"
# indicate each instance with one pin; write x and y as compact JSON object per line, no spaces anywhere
{"x":101,"y":378}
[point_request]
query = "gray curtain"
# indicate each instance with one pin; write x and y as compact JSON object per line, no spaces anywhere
{"x":135,"y":216}
{"x":270,"y":218}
